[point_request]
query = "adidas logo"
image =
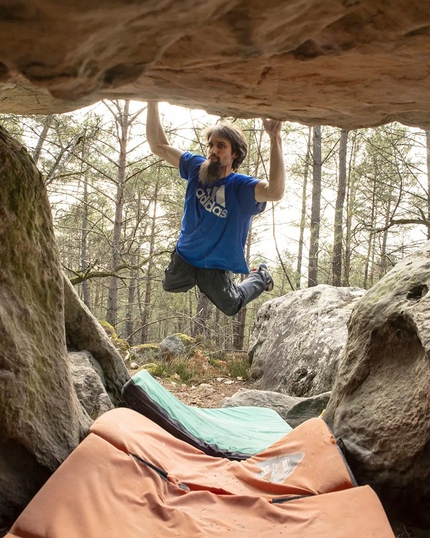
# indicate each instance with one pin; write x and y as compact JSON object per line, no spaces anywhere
{"x":213,"y":200}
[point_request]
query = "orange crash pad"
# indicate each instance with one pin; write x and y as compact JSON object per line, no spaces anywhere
{"x":131,"y":479}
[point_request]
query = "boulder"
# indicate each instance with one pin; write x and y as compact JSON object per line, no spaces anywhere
{"x":143,"y":353}
{"x":292,"y":409}
{"x":89,"y":383}
{"x":41,"y":419}
{"x":297,"y":339}
{"x":171,"y":347}
{"x":84,"y":333}
{"x":345,"y":63}
{"x":380,"y":404}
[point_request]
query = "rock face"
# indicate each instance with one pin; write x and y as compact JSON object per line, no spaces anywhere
{"x":297,"y":339}
{"x":340,"y":62}
{"x":88,"y":380}
{"x":84,"y":333}
{"x":171,"y":347}
{"x":41,"y":417}
{"x":292,"y":409}
{"x":380,"y":405}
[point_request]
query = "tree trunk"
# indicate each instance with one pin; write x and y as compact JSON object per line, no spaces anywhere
{"x":38,"y":149}
{"x":190,"y":314}
{"x":132,"y":287}
{"x":303,"y":211}
{"x":338,"y":216}
{"x":384,"y":260}
{"x":239,"y":321}
{"x":240,"y":318}
{"x":350,"y":205}
{"x":218,"y":334}
{"x":84,"y":238}
{"x":112,"y":304}
{"x":200,"y":326}
{"x":368,"y":269}
{"x":146,"y":312}
{"x":316,"y":209}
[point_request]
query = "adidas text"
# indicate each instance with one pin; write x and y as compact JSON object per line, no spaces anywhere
{"x":210,"y":204}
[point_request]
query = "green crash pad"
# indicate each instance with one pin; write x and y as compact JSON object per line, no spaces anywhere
{"x":232,"y":432}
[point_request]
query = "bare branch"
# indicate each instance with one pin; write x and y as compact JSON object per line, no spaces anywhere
{"x":89,"y":273}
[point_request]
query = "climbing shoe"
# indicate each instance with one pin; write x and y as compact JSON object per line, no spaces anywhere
{"x":264,"y":271}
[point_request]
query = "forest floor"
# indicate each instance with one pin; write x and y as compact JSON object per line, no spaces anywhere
{"x":208,"y":392}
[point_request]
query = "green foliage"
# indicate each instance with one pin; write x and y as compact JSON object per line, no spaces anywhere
{"x":239,"y":367}
{"x":183,"y":370}
{"x":158,"y":369}
{"x":201,"y":366}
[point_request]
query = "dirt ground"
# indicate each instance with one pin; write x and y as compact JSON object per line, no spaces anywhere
{"x":208,"y":393}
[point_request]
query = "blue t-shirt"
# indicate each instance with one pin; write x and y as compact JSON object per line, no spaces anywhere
{"x":216,"y":218}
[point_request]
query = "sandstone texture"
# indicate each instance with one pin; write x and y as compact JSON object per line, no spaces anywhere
{"x":47,"y":399}
{"x":349,"y":63}
{"x":89,"y":383}
{"x":380,"y":405}
{"x":297,"y":339}
{"x":41,"y":419}
{"x":84,"y":333}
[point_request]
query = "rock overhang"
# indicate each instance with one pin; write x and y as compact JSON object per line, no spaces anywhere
{"x":346,"y":63}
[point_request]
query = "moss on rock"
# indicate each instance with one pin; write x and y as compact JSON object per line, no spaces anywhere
{"x":109,"y":329}
{"x":144,"y":352}
{"x":188,"y":341}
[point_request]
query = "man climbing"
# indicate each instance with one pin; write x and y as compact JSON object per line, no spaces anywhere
{"x":219,"y":205}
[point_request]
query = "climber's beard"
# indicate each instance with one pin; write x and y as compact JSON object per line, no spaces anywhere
{"x":210,"y":171}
